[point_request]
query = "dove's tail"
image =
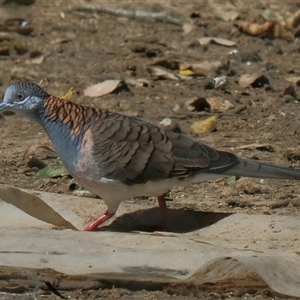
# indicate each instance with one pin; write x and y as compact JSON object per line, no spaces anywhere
{"x":256,"y":169}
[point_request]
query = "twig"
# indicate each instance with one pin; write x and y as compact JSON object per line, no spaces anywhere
{"x":54,"y":290}
{"x":163,"y":16}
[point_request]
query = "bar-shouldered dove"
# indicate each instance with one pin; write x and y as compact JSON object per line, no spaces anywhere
{"x":119,"y":157}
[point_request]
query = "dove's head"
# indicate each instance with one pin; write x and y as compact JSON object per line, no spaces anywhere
{"x":25,"y":98}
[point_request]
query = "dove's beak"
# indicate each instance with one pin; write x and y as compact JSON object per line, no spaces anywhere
{"x":4,"y":106}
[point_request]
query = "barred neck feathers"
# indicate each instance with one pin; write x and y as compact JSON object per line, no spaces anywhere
{"x":72,"y":116}
{"x":65,"y":123}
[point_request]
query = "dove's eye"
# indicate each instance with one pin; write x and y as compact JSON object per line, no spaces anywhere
{"x":20,"y":96}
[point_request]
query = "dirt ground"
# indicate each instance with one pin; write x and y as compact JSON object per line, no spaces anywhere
{"x":68,"y":48}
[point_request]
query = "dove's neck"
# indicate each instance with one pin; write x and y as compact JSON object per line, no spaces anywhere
{"x":65,"y":123}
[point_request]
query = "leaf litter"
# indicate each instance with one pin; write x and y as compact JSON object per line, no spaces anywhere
{"x":102,"y":88}
{"x":204,"y":126}
{"x":274,"y":27}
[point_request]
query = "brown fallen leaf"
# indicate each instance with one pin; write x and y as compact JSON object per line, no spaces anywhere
{"x":102,"y":88}
{"x":227,"y":15}
{"x":271,"y":15}
{"x":188,"y":27}
{"x":35,"y":61}
{"x":207,"y":65}
{"x":162,"y":74}
{"x":190,"y":70}
{"x":257,"y":146}
{"x":68,"y":95}
{"x":219,"y":41}
{"x":31,"y":150}
{"x":270,"y":29}
{"x":219,"y":104}
{"x":224,"y":10}
{"x":254,"y":29}
{"x":207,"y":125}
{"x":295,"y":80}
{"x":256,"y":81}
{"x":140,"y":82}
{"x":187,"y":69}
{"x":294,"y":21}
{"x":169,"y":124}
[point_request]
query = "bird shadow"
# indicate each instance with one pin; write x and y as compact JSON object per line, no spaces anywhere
{"x":171,"y":220}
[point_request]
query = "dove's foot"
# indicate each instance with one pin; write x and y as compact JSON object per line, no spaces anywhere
{"x":95,"y":224}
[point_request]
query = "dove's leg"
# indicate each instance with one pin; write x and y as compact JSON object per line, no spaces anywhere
{"x":163,"y":205}
{"x":95,"y":224}
{"x":162,"y":201}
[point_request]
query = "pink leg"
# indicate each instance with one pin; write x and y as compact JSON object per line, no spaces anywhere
{"x":162,"y":201}
{"x":162,"y":204}
{"x":95,"y":224}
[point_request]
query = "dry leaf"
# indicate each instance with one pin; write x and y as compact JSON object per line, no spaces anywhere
{"x":35,"y":61}
{"x":254,"y":29}
{"x":168,"y":124}
{"x":207,"y":65}
{"x":219,"y":41}
{"x":83,"y":193}
{"x":224,"y":10}
{"x":141,"y":82}
{"x":271,"y":15}
{"x":165,"y":123}
{"x":227,"y":15}
{"x":31,"y":150}
{"x":207,"y":125}
{"x":53,"y":171}
{"x":162,"y":74}
{"x":32,"y":205}
{"x":188,"y":27}
{"x":294,"y":21}
{"x":187,"y":69}
{"x":101,"y":89}
{"x":257,"y":146}
{"x":191,"y":71}
{"x":218,"y":104}
{"x":295,"y":80}
{"x":255,"y":81}
{"x":220,"y":81}
{"x":270,"y":29}
{"x":68,"y":95}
